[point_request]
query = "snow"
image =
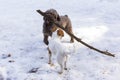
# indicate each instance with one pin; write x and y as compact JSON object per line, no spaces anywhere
{"x":22,"y":47}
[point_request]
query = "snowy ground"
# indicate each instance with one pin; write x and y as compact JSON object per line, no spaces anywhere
{"x":22,"y":49}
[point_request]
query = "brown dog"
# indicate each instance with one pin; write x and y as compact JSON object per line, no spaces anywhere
{"x":49,"y":27}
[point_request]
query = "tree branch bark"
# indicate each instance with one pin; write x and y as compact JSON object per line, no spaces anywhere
{"x":76,"y":38}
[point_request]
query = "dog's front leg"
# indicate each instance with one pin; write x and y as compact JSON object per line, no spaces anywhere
{"x":50,"y":57}
{"x":46,"y":39}
{"x":50,"y":60}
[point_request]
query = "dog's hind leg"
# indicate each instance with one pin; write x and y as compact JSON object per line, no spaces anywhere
{"x":65,"y":63}
{"x":60,"y":60}
{"x":72,"y":39}
{"x":69,"y":29}
{"x":61,"y":71}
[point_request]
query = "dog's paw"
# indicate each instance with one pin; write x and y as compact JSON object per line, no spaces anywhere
{"x":71,"y":41}
{"x":46,"y":42}
{"x":51,"y":64}
{"x":60,"y":72}
{"x":65,"y":68}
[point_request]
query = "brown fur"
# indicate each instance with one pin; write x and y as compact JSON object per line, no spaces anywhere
{"x":49,"y":27}
{"x":60,"y":33}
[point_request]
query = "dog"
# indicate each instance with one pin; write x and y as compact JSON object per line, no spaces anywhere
{"x":55,"y":46}
{"x":52,"y":15}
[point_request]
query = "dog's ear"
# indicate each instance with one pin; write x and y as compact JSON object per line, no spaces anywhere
{"x":58,"y":18}
{"x":60,"y":33}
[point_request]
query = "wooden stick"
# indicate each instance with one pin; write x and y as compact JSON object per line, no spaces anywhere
{"x":76,"y":38}
{"x":84,"y":43}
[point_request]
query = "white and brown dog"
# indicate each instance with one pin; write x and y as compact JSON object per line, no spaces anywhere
{"x":57,"y":47}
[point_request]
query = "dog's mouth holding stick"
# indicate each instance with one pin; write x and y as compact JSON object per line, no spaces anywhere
{"x":77,"y":39}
